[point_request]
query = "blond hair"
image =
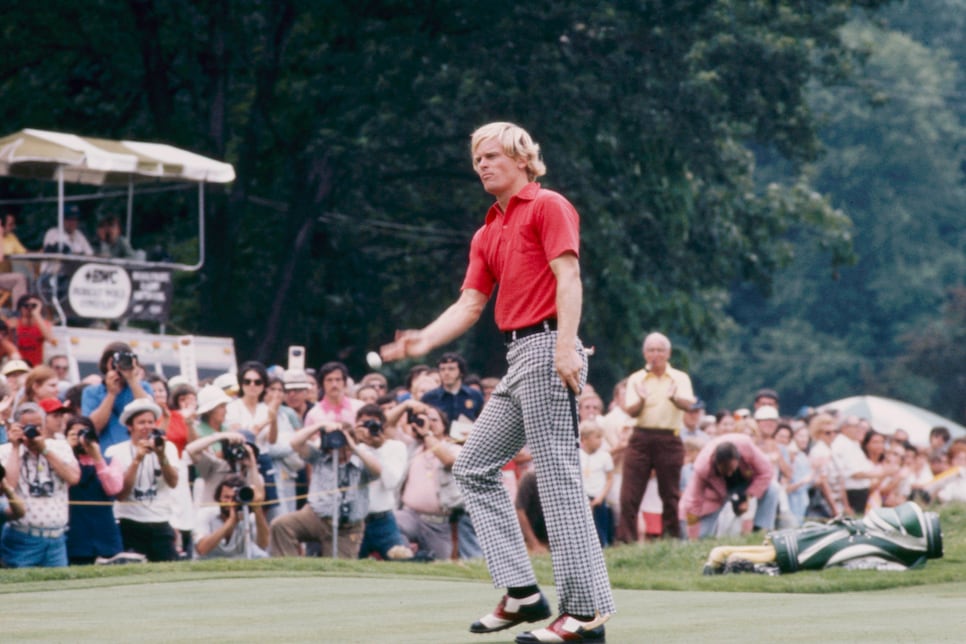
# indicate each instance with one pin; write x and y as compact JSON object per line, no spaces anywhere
{"x":516,"y":143}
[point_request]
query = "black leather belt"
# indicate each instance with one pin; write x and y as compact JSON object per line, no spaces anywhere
{"x":376,"y":516}
{"x":550,"y":324}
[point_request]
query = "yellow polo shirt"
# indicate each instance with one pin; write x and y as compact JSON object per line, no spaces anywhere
{"x":658,"y":411}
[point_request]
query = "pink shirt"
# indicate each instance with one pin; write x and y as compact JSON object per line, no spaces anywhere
{"x":707,"y":491}
{"x":110,"y":476}
{"x":326,"y":411}
{"x":421,"y":491}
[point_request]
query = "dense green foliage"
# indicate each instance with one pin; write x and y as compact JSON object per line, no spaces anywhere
{"x":688,"y":133}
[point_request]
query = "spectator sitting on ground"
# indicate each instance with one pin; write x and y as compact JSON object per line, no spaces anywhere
{"x":93,"y":528}
{"x":146,"y":500}
{"x":104,"y":403}
{"x":221,"y":530}
{"x":429,"y":493}
{"x":382,"y":534}
{"x":40,"y":470}
{"x":337,"y":495}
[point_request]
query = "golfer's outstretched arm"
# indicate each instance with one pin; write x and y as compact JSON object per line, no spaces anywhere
{"x":451,"y":324}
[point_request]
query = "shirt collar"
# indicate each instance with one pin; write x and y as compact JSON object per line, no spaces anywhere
{"x":527,"y":193}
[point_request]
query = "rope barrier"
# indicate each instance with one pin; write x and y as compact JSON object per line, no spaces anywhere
{"x":298,"y":497}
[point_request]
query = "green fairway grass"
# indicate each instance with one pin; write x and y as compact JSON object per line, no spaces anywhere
{"x":292,"y":600}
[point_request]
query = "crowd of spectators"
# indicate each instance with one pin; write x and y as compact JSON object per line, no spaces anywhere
{"x":128,"y":465}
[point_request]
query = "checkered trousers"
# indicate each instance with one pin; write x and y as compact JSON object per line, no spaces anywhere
{"x":531,"y":405}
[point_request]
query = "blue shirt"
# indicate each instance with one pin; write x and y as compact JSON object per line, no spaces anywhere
{"x":114,"y":432}
{"x":467,"y":402}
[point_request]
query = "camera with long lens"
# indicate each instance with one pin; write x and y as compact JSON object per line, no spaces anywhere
{"x":31,"y":432}
{"x":374,"y":426}
{"x":333,"y":440}
{"x":158,"y":436}
{"x":124,"y":360}
{"x":414,"y":419}
{"x":244,"y":495}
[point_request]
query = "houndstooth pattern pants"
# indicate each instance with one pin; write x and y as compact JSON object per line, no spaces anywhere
{"x":532,"y":406}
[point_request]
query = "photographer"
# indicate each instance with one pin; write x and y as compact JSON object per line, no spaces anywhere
{"x":145,"y":502}
{"x":104,"y":403}
{"x":235,"y":455}
{"x":381,"y":534}
{"x":430,"y":493}
{"x":341,"y":494}
{"x":40,"y":470}
{"x":93,"y":528}
{"x":220,"y":531}
{"x":729,"y":471}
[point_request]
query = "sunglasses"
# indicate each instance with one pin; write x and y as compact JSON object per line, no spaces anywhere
{"x":250,"y":381}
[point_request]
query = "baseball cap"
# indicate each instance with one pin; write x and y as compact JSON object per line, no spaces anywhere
{"x":52,"y":405}
{"x":696,"y":405}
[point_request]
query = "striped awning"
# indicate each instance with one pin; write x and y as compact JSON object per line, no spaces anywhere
{"x":38,"y":154}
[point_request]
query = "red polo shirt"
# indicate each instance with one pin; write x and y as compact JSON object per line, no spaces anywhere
{"x":514,"y":249}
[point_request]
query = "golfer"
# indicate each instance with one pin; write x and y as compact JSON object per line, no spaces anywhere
{"x":528,"y":246}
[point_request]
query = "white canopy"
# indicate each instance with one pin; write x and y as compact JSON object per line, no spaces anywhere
{"x":40,"y":154}
{"x":887,"y":415}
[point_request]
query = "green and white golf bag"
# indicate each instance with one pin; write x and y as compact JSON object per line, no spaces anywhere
{"x":885,"y":539}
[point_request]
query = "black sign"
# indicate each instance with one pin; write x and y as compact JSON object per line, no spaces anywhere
{"x":112,"y":291}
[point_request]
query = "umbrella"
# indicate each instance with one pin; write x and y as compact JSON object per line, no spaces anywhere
{"x":887,"y":415}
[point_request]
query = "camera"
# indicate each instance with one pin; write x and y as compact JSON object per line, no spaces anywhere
{"x":31,"y":432}
{"x":413,"y":419}
{"x":3,"y":472}
{"x":374,"y":426}
{"x":244,"y":495}
{"x":124,"y":360}
{"x":158,"y":437}
{"x":88,"y":435}
{"x":737,"y":498}
{"x":235,"y":452}
{"x":333,"y":440}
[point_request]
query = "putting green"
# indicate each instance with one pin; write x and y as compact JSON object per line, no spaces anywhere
{"x":394,"y":609}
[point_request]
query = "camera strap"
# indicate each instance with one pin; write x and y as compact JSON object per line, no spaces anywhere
{"x":41,"y":465}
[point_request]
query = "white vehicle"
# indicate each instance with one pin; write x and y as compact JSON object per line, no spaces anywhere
{"x":108,"y":288}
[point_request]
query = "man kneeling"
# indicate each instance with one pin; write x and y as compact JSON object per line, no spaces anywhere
{"x":236,"y":528}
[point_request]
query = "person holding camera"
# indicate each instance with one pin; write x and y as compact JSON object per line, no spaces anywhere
{"x":30,"y":330}
{"x":381,"y":534}
{"x":429,"y":493}
{"x":11,"y":505}
{"x":338,"y":492}
{"x":104,"y":403}
{"x":729,"y":471}
{"x":150,"y":465}
{"x":236,"y":454}
{"x":221,"y":529}
{"x":93,"y":528}
{"x":40,"y":469}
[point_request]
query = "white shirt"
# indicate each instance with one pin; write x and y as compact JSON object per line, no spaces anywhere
{"x":43,"y":491}
{"x":77,"y":243}
{"x":209,"y":520}
{"x":848,"y":456}
{"x":238,"y":417}
{"x":150,"y":500}
{"x":594,"y":468}
{"x":393,"y":457}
